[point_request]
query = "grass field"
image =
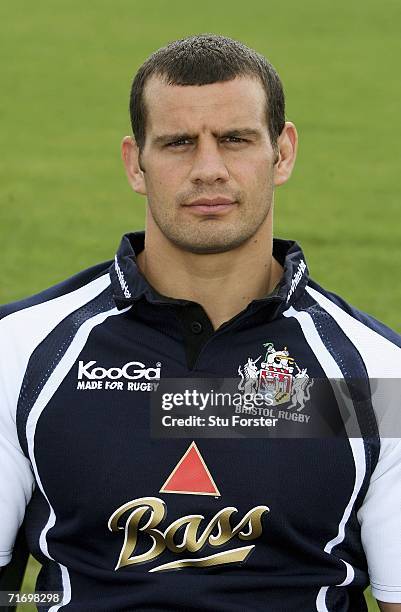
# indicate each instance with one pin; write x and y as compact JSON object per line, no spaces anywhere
{"x":67,"y":67}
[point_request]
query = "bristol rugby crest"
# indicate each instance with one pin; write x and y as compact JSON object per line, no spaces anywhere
{"x":275,"y":378}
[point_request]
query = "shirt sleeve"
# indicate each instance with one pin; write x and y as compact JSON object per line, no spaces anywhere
{"x":380,"y":519}
{"x":16,"y":487}
{"x":16,"y":477}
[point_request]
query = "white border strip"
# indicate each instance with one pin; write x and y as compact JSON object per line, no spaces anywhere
{"x":332,"y":371}
{"x":51,"y":386}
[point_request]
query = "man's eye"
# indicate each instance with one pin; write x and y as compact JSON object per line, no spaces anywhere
{"x":179,"y":143}
{"x":235,"y":139}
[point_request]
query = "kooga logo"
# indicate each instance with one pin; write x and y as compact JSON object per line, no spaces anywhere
{"x":131,"y":371}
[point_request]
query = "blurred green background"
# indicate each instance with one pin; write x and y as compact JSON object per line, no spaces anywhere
{"x":66,"y":73}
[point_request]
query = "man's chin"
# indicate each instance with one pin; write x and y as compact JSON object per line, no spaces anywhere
{"x":209,"y":247}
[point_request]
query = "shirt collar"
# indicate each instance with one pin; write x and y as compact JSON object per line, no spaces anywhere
{"x":129,"y":285}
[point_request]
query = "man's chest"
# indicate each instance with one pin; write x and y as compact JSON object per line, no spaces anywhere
{"x":136,"y":498}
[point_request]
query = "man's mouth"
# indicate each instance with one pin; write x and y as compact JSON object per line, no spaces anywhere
{"x":211,"y":206}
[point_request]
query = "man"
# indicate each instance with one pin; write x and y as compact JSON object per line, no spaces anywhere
{"x":122,"y":520}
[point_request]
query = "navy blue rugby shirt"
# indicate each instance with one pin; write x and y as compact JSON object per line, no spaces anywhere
{"x":122,"y":521}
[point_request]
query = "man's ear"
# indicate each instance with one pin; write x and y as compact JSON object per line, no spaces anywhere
{"x":130,"y":155}
{"x":287,"y":145}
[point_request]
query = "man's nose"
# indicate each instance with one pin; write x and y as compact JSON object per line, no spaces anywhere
{"x":208,"y":165}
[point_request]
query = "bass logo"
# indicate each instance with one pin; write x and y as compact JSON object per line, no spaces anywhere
{"x":140,"y":520}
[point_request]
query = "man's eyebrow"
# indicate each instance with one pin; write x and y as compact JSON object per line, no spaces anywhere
{"x":235,"y":132}
{"x":240,"y":133}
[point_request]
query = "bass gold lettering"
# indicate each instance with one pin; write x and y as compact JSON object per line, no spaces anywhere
{"x":144,"y":515}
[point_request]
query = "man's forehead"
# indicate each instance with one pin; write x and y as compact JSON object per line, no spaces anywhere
{"x":238,"y":101}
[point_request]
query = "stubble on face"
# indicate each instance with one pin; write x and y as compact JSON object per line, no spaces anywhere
{"x":211,"y":235}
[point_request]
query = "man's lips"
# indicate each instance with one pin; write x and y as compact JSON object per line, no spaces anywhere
{"x":211,"y":205}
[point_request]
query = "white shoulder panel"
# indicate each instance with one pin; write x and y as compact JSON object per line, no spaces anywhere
{"x":20,"y":333}
{"x":382,"y":358}
{"x":380,"y":513}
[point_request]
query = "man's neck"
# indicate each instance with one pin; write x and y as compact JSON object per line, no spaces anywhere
{"x":223,"y":283}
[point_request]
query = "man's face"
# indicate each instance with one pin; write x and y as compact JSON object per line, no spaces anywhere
{"x":208,"y":163}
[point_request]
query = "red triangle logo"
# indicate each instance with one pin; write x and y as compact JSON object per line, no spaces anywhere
{"x":191,"y":475}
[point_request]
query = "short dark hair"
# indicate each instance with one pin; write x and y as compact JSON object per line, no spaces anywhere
{"x":201,"y":60}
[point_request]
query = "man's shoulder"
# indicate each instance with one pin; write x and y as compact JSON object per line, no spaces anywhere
{"x":349,"y":316}
{"x":78,"y":287}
